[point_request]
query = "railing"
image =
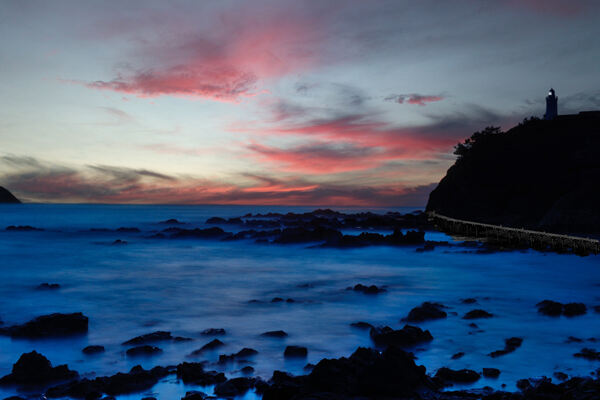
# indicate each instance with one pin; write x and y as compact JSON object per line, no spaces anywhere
{"x":517,"y":236}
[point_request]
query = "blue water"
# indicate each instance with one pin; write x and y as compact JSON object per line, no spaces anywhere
{"x":186,"y":286}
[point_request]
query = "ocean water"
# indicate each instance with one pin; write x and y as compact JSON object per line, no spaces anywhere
{"x":186,"y":286}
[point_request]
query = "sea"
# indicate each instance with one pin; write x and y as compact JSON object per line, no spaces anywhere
{"x":188,"y":285}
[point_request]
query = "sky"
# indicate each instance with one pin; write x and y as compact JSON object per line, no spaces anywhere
{"x":335,"y":103}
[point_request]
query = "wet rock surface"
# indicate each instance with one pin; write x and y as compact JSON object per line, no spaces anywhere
{"x":33,"y":368}
{"x":52,"y":325}
{"x":275,"y":334}
{"x":212,"y":345}
{"x":510,"y":345}
{"x":144,"y":350}
{"x":407,"y":336}
{"x":93,"y":349}
{"x":477,"y":314}
{"x":195,"y":373}
{"x":158,"y":336}
{"x":372,"y":289}
{"x":426,"y":311}
{"x":554,"y":309}
{"x":448,"y":376}
{"x":295,"y":351}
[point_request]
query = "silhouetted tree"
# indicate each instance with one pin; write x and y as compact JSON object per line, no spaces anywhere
{"x":462,"y":149}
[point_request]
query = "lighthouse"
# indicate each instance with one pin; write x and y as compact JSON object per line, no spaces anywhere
{"x":551,"y":105}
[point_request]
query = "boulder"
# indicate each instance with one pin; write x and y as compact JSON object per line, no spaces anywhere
{"x":407,"y":336}
{"x":33,"y":368}
{"x":447,"y":375}
{"x":49,"y":325}
{"x":153,"y":337}
{"x":491,"y":372}
{"x":94,"y":349}
{"x":213,"y":332}
{"x":275,"y":334}
{"x":295,"y":351}
{"x":426,"y":311}
{"x":476,"y":314}
{"x":194,"y":373}
{"x":144,"y":350}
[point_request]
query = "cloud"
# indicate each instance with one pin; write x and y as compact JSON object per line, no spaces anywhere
{"x":224,"y":58}
{"x":414,"y":98}
{"x":35,"y":180}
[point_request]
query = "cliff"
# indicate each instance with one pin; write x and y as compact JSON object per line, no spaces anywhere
{"x":540,"y":175}
{"x":7,"y":197}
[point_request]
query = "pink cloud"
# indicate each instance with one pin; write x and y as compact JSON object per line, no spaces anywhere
{"x":225,"y":60}
{"x":414,"y":98}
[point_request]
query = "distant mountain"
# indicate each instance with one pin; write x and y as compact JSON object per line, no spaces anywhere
{"x":7,"y":197}
{"x":540,"y":174}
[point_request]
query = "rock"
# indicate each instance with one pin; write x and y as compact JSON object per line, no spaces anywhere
{"x":216,"y":220}
{"x":234,"y":387}
{"x":128,"y":230}
{"x":275,"y":334}
{"x":119,"y":242}
{"x":276,"y":300}
{"x":588,"y":354}
{"x":194,"y":373}
{"x":213,"y":332}
{"x":208,"y":233}
{"x":23,"y":228}
{"x":368,"y":289}
{"x":573,"y":339}
{"x":194,"y":395}
{"x":179,"y":339}
{"x":246,"y":352}
{"x":407,"y":336}
{"x":171,"y":221}
{"x":473,"y":325}
{"x":212,"y":345}
{"x":144,"y":350}
{"x":426,"y":311}
{"x":458,"y":355}
{"x":137,"y":379}
{"x":561,"y":376}
{"x":247,"y":370}
{"x":295,"y":351}
{"x":476,"y":314}
{"x":48,"y":286}
{"x":491,"y":372}
{"x":597,"y":309}
{"x":574,"y":309}
{"x":34,"y":369}
{"x":307,"y":235}
{"x":549,"y":307}
{"x":361,"y":325}
{"x":469,"y":300}
{"x":49,"y":325}
{"x":447,"y":375}
{"x":7,"y":197}
{"x":94,"y":349}
{"x":158,"y":336}
{"x":510,"y":345}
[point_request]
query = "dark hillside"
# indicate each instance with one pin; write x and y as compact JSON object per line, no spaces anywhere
{"x":7,"y":197}
{"x":539,"y":174}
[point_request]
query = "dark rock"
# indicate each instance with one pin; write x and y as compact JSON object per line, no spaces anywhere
{"x":49,"y":325}
{"x":158,"y":336}
{"x":148,"y":398}
{"x":447,"y":375}
{"x":305,"y":235}
{"x":179,"y":339}
{"x":597,"y":309}
{"x":361,"y":325}
{"x":510,"y":345}
{"x":136,"y":380}
{"x":476,"y":314}
{"x":474,"y":325}
{"x":213,"y":344}
{"x":33,"y":368}
{"x":194,"y":395}
{"x":573,"y":339}
{"x":295,"y":351}
{"x":23,"y":228}
{"x":234,"y":387}
{"x":48,"y":286}
{"x":561,"y":376}
{"x":194,"y":373}
{"x":7,"y":197}
{"x":458,"y":355}
{"x":247,"y":370}
{"x":144,"y":350}
{"x":491,"y":372}
{"x":208,"y":233}
{"x":276,"y":300}
{"x":588,"y":354}
{"x":119,"y":242}
{"x":246,"y":352}
{"x":14,"y":398}
{"x":213,"y":332}
{"x":216,"y":220}
{"x":275,"y":334}
{"x":426,"y":311}
{"x":368,"y":289}
{"x":469,"y":300}
{"x":574,"y":309}
{"x":171,"y":221}
{"x":549,"y":307}
{"x":407,"y":336}
{"x":95,"y":349}
{"x":290,"y":300}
